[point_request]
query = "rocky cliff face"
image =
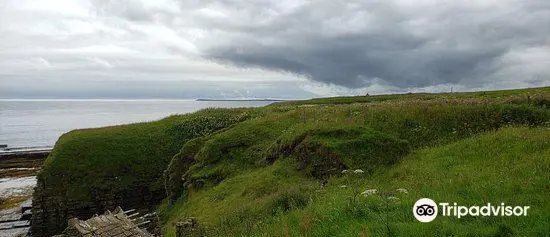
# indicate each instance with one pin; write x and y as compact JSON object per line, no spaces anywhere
{"x":52,"y":209}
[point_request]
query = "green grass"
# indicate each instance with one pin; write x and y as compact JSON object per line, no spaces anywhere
{"x":535,"y":95}
{"x":276,"y":170}
{"x":315,"y":143}
{"x":513,"y":168}
{"x":242,"y":199}
{"x":122,"y":160}
{"x":326,"y":141}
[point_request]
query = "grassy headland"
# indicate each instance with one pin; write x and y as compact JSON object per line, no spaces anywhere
{"x":116,"y":158}
{"x":91,"y":170}
{"x":277,"y":170}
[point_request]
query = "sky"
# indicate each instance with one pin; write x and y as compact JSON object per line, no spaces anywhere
{"x":269,"y":48}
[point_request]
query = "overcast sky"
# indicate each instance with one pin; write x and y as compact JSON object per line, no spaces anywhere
{"x":269,"y":48}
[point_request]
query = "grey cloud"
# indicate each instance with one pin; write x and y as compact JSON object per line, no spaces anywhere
{"x":130,"y":9}
{"x":353,"y":46}
{"x":369,"y":45}
{"x":354,"y":61}
{"x":358,"y":43}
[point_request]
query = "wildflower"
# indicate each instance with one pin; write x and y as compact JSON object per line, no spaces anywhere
{"x":391,"y":198}
{"x":402,"y":190}
{"x":345,"y":171}
{"x":343,"y":186}
{"x":358,"y":171}
{"x":369,"y":192}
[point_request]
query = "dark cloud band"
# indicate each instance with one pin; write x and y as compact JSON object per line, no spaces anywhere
{"x":355,"y":43}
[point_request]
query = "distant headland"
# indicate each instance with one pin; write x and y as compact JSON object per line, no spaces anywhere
{"x":274,"y":100}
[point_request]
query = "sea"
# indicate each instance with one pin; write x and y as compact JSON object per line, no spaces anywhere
{"x":39,"y":123}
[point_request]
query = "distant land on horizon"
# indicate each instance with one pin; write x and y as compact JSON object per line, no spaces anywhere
{"x":202,"y":99}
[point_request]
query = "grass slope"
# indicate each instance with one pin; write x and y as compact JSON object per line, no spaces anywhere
{"x":513,"y":168}
{"x":279,"y":201}
{"x":313,"y":142}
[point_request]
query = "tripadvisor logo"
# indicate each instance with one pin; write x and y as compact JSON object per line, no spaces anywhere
{"x":426,"y":210}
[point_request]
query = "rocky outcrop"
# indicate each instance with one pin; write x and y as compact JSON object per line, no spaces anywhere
{"x":188,"y":228}
{"x":51,"y":209}
{"x":115,"y":224}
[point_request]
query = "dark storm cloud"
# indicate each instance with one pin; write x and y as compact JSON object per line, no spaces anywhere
{"x":354,"y":61}
{"x":356,"y":43}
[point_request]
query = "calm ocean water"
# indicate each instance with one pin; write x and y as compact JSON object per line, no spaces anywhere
{"x":29,"y":123}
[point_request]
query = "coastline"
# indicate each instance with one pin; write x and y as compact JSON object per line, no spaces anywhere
{"x":18,"y":169}
{"x":25,"y":152}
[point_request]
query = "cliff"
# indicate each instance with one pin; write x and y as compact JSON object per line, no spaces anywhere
{"x":93,"y":170}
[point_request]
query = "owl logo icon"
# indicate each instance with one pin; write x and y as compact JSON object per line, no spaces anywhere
{"x":425,"y":210}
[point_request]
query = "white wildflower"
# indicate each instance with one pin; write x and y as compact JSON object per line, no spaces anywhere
{"x":343,"y":186}
{"x":345,"y":171}
{"x":369,"y":192}
{"x":402,"y":190}
{"x":391,"y":198}
{"x":358,"y":171}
